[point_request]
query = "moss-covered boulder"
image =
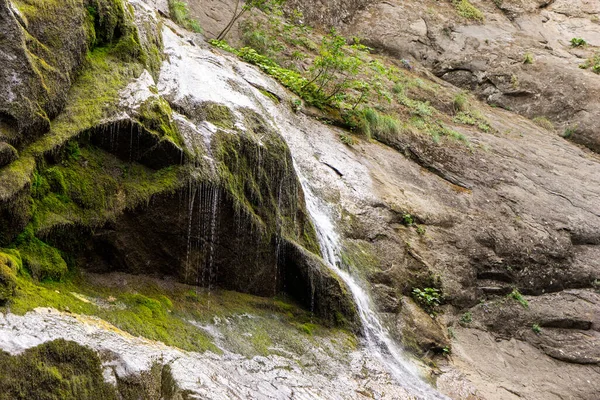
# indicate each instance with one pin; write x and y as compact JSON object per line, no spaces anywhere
{"x":10,"y":263}
{"x":54,"y":370}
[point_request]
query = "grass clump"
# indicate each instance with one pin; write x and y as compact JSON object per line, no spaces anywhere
{"x":536,"y":329}
{"x":593,"y":63}
{"x":543,"y":122}
{"x":374,"y":124}
{"x":516,"y":295}
{"x":467,"y":10}
{"x":180,"y":14}
{"x":528,"y":58}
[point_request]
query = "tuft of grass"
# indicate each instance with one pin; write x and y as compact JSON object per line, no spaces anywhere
{"x":516,"y":295}
{"x":180,"y":14}
{"x":377,"y":125}
{"x":528,"y":58}
{"x":543,"y":122}
{"x":461,"y":102}
{"x":536,"y":328}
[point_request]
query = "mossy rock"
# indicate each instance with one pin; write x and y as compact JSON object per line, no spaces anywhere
{"x":10,"y":263}
{"x":8,"y":154}
{"x":43,"y":262}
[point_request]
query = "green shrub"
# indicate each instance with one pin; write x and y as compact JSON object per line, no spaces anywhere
{"x":468,"y":10}
{"x":536,"y":328}
{"x":528,"y":58}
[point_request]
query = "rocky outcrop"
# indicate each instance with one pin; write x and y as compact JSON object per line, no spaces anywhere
{"x":489,"y":57}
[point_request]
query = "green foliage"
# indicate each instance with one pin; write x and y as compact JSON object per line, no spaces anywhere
{"x":569,"y":131}
{"x":474,"y":118}
{"x":333,"y":69}
{"x":428,"y":298}
{"x":55,"y":370}
{"x":536,"y":328}
{"x":421,"y":230}
{"x":407,"y":219}
{"x":180,"y":14}
{"x":466,"y":318}
{"x":516,"y":295}
{"x":468,"y":10}
{"x":578,"y":42}
{"x":528,"y":58}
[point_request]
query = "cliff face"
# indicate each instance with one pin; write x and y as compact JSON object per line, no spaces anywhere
{"x":140,"y":164}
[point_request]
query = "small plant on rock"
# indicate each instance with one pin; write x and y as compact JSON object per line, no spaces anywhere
{"x":536,"y":328}
{"x":578,"y":42}
{"x":528,"y":58}
{"x":516,"y":295}
{"x":466,"y":318}
{"x":428,"y":298}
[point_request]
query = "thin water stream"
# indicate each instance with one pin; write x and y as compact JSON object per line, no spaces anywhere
{"x":376,"y":336}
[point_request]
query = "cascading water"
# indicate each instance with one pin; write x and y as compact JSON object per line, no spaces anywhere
{"x":376,"y":337}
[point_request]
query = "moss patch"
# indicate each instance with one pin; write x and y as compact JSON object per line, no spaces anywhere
{"x":54,"y":370}
{"x":175,"y":313}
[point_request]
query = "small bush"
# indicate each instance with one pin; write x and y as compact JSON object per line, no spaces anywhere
{"x":467,"y":10}
{"x":528,"y":58}
{"x":536,"y":328}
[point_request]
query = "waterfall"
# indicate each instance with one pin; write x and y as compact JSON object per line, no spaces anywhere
{"x":376,"y":336}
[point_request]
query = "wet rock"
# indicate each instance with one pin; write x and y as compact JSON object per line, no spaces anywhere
{"x":419,"y":331}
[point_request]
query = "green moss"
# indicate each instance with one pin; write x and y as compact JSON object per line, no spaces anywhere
{"x":156,"y":115}
{"x":10,"y":264}
{"x":95,"y":187}
{"x":172,"y":313}
{"x":54,"y":370}
{"x":44,"y":262}
{"x":218,"y":114}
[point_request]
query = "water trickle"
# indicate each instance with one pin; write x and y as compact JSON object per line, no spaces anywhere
{"x":376,"y":336}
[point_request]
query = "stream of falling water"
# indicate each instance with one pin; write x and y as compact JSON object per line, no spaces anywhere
{"x":376,"y":336}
